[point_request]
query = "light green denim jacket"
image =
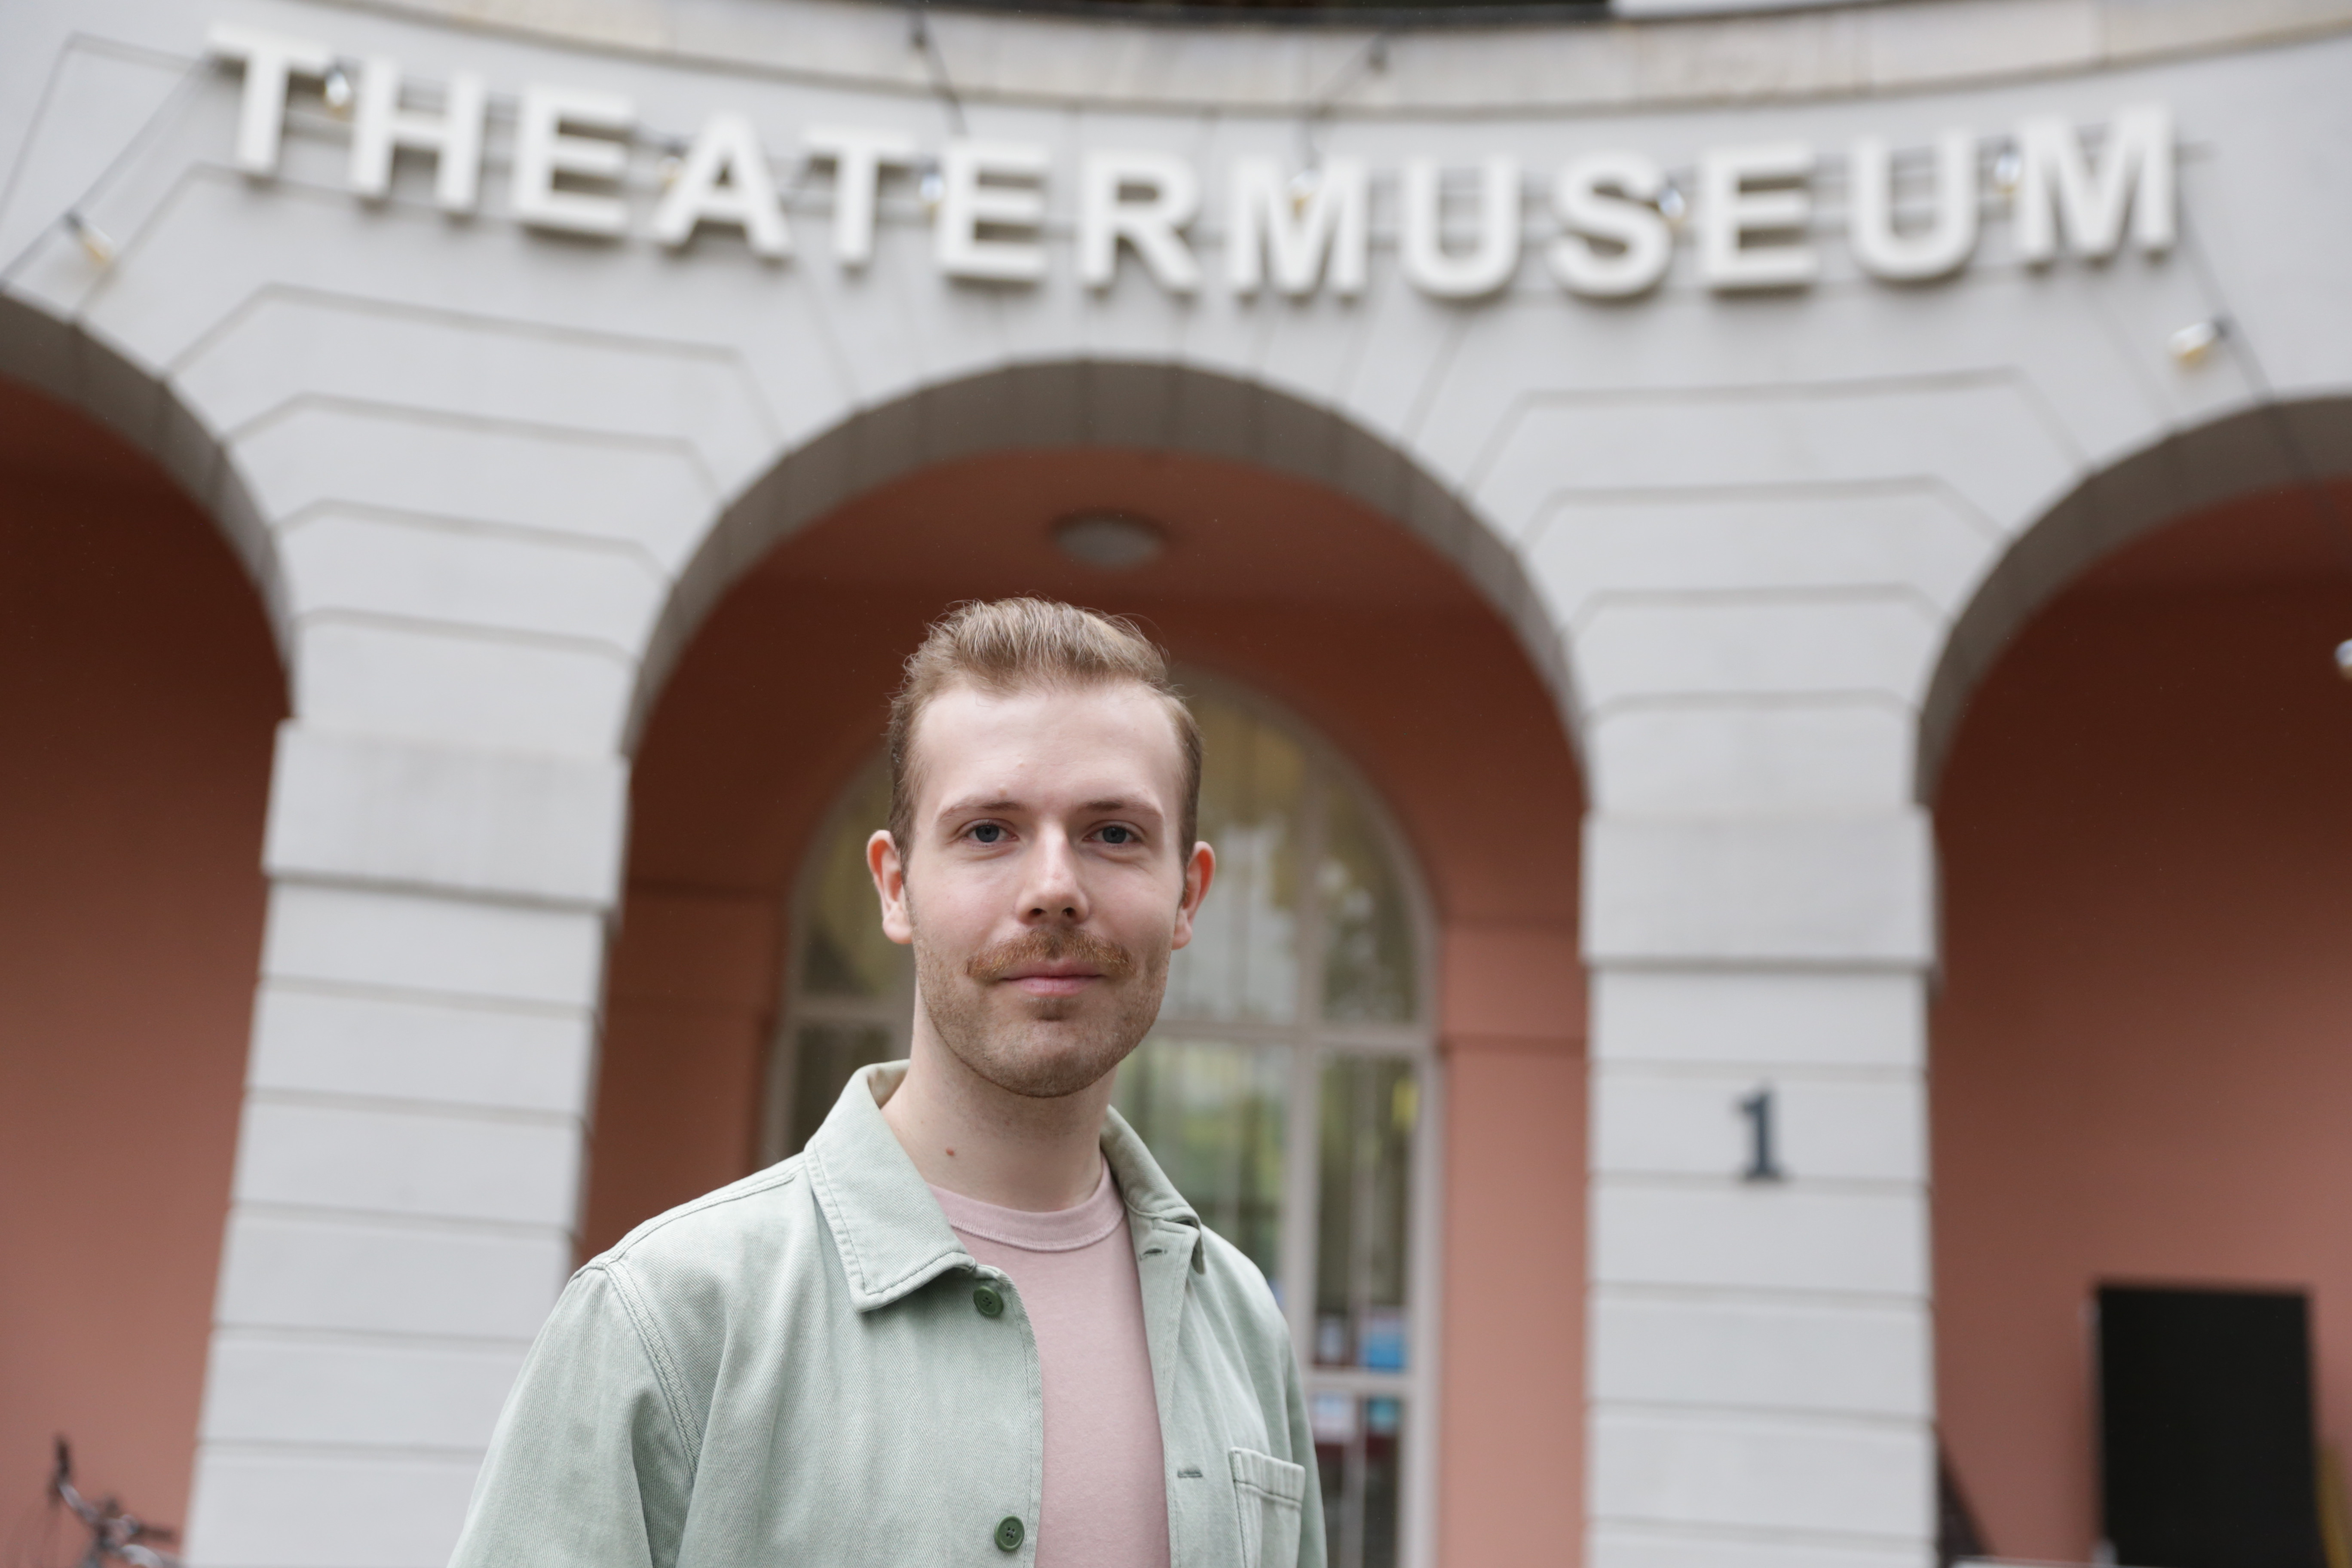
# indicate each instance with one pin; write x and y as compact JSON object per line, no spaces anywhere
{"x":800,"y":1369}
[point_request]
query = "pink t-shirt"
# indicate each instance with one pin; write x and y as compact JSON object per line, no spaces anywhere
{"x":1105,"y":1503}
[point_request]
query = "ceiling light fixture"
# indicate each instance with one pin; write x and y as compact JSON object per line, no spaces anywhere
{"x":1109,"y":541}
{"x":1303,"y":186}
{"x":94,"y":243}
{"x":2192,"y":342}
{"x":2344,"y":658}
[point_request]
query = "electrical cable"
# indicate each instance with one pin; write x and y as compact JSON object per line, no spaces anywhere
{"x":2231,"y":327}
{"x":1372,"y":58}
{"x":2227,"y":324}
{"x":71,"y":219}
{"x":919,"y":33}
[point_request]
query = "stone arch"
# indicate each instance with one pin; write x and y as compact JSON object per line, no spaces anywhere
{"x":1094,"y":403}
{"x":741,"y":758}
{"x":81,"y":370}
{"x":2267,"y":446}
{"x":141,"y":692}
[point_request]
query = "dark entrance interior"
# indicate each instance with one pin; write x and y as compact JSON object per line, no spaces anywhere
{"x":2207,"y":1457}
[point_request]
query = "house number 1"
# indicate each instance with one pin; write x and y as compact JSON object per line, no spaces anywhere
{"x":1763,"y":1156}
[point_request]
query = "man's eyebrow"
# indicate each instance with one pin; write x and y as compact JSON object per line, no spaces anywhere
{"x":958,"y":807}
{"x":1007,"y":803}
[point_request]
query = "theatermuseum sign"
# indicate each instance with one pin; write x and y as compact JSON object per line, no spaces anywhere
{"x":1751,"y":208}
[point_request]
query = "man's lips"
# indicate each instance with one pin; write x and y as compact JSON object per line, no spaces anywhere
{"x":1054,"y":979}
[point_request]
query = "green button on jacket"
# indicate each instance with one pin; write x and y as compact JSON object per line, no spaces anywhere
{"x":791,"y":1371}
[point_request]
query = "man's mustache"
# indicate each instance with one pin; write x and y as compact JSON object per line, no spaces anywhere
{"x":1050,"y":944}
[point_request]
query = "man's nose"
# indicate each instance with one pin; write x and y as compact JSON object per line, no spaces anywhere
{"x":1055,"y":889}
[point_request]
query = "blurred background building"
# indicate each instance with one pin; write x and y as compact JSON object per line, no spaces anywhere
{"x":1764,"y":588}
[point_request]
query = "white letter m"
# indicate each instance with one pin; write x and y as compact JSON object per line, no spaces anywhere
{"x":2057,"y":187}
{"x":1331,"y":221}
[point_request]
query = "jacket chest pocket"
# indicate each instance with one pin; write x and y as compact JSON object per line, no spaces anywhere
{"x":1269,"y":1495}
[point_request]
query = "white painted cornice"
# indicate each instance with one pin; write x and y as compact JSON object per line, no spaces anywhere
{"x":1450,"y":70}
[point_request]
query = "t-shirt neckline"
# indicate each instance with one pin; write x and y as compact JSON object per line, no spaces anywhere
{"x":1053,"y":1230}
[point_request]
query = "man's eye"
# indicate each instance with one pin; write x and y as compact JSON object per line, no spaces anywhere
{"x":987,"y":832}
{"x":1115,"y":834}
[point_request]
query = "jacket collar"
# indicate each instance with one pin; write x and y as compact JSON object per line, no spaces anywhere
{"x":1150,"y":1197}
{"x":886,"y":1224}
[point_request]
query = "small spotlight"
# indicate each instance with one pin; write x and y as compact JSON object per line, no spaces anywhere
{"x":1109,"y":541}
{"x":1672,"y":206}
{"x":94,"y":243}
{"x":1303,"y":186}
{"x":2344,"y":658}
{"x":2008,"y":171}
{"x":931,"y":188}
{"x":337,"y":91}
{"x":2192,"y":342}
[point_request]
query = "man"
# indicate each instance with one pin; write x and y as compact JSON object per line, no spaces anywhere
{"x":971,"y":1323}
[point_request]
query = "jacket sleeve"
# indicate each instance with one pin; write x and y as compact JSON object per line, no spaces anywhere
{"x":588,"y":1467}
{"x":1311,"y":1547}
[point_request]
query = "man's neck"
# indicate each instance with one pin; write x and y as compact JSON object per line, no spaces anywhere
{"x":966,"y":1134}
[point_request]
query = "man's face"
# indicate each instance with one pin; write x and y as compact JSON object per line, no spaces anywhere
{"x":1044,"y":886}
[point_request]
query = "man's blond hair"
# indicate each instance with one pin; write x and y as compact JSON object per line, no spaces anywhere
{"x":1006,"y":645}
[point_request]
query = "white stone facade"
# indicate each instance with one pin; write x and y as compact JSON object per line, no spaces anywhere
{"x":1761,"y":543}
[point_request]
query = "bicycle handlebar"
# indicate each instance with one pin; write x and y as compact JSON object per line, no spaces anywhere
{"x":113,"y":1533}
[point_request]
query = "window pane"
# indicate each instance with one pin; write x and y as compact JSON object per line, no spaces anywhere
{"x":1358,"y":1457}
{"x":845,"y":952}
{"x":1369,"y":1105}
{"x":1333,"y":1417}
{"x":1368,"y":958}
{"x":1384,"y":1481}
{"x":825,"y":1055}
{"x":1213,"y":1115}
{"x":1242,"y":963}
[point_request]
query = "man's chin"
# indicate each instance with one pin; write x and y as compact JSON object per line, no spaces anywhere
{"x":1048,"y":1075}
{"x":1043,"y":1058}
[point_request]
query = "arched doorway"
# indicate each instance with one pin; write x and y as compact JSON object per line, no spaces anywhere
{"x":139,"y":694}
{"x":1313,"y":626}
{"x":2139,"y":1067}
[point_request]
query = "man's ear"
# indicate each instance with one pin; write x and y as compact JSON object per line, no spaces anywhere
{"x":889,"y":875}
{"x":1199,"y":871}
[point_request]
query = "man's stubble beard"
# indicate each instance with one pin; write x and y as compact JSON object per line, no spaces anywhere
{"x":1033,"y":1047}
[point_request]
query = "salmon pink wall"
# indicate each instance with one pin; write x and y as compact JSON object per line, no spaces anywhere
{"x":1331,"y":610}
{"x":2143,"y":1050}
{"x":139,"y":691}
